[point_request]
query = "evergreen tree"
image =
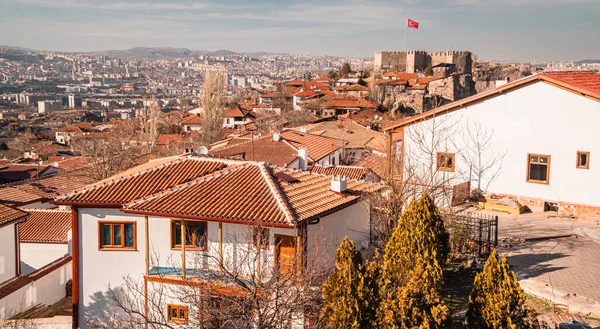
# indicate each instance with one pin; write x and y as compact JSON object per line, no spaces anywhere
{"x":429,"y":71}
{"x":345,"y":70}
{"x":349,"y":294}
{"x":497,"y":301}
{"x":412,"y":273}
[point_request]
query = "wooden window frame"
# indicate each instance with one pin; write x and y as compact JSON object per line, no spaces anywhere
{"x":256,"y":230}
{"x":179,"y":308}
{"x":587,"y":163}
{"x":174,"y":246}
{"x":112,"y":246}
{"x":547,"y":181}
{"x":446,"y":155}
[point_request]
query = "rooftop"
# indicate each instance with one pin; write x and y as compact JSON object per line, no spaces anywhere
{"x":46,"y":226}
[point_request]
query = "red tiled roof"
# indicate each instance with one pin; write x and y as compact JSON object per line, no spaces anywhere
{"x":273,"y":94}
{"x":234,"y":112}
{"x":251,"y":193}
{"x":583,"y":79}
{"x":323,"y":79}
{"x":279,"y":153}
{"x":391,"y":82}
{"x":581,"y":83}
{"x":352,"y":172}
{"x":8,"y":215}
{"x":44,"y":188}
{"x":318,"y":146}
{"x":349,"y":102}
{"x":311,"y":196}
{"x":313,"y":93}
{"x":46,"y":226}
{"x":245,"y":192}
{"x":192,"y":120}
{"x":69,"y":163}
{"x":141,"y":181}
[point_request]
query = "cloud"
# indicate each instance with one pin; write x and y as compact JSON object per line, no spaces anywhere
{"x":114,"y":4}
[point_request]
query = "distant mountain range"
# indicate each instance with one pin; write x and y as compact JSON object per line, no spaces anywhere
{"x":149,"y":52}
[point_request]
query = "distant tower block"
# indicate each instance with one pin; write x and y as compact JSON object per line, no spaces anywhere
{"x":417,"y":60}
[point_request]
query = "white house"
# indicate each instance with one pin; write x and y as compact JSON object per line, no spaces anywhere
{"x":192,"y":123}
{"x":44,"y":238}
{"x":131,"y":226}
{"x":63,"y":135}
{"x":235,"y":117}
{"x":20,"y":291}
{"x":532,"y":139}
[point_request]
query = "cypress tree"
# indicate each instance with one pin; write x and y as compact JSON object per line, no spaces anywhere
{"x":497,"y":301}
{"x":412,"y":273}
{"x":349,"y":294}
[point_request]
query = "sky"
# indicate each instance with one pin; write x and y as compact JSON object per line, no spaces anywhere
{"x":510,"y":30}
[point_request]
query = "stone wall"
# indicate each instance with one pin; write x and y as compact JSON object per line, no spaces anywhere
{"x":417,"y":60}
{"x":452,"y":88}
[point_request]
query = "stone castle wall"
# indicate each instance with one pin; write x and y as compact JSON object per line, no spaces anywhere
{"x":417,"y":60}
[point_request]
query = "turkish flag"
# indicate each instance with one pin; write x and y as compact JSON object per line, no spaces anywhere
{"x":412,"y":24}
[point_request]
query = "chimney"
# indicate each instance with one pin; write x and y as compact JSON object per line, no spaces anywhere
{"x":303,"y":158}
{"x":338,"y":184}
{"x":276,"y":137}
{"x":303,"y":130}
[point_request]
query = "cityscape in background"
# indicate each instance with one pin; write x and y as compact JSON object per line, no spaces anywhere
{"x":419,"y":187}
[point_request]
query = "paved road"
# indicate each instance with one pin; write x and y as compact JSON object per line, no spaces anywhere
{"x":561,"y":270}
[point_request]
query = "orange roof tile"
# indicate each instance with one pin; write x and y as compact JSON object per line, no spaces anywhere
{"x":352,"y":172}
{"x":252,"y":193}
{"x":584,"y":79}
{"x":318,"y":146}
{"x":143,"y":180}
{"x":279,"y":153}
{"x":46,"y":226}
{"x":241,"y":193}
{"x":192,"y":120}
{"x":9,"y":215}
{"x":311,"y":196}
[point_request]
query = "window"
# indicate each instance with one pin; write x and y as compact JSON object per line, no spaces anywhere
{"x":583,"y":160}
{"x":538,"y":168}
{"x":445,"y":162}
{"x":260,"y":237}
{"x":195,"y":235}
{"x":177,"y":313}
{"x":114,"y":235}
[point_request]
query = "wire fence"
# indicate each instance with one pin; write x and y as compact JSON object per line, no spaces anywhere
{"x":472,"y":233}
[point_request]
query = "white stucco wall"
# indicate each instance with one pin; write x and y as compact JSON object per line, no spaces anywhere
{"x":37,"y":255}
{"x":325,"y":237}
{"x":47,"y":291}
{"x":8,"y":253}
{"x":101,"y":269}
{"x":537,"y":119}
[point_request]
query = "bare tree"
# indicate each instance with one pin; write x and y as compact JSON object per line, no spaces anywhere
{"x":484,"y":163}
{"x":153,"y":123}
{"x":111,"y":152}
{"x":232,"y":290}
{"x":214,"y":103}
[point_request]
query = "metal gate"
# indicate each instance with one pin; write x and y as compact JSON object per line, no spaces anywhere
{"x":472,"y":233}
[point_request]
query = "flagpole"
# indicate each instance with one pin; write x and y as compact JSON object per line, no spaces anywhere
{"x":405,"y":44}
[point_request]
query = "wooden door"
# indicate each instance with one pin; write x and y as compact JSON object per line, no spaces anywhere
{"x":285,"y":254}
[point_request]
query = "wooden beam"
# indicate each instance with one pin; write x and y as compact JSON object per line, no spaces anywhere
{"x":220,"y":244}
{"x":183,"y":243}
{"x":388,"y":167}
{"x":75,"y":265}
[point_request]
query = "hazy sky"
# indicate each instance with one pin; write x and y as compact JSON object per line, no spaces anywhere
{"x":493,"y":29}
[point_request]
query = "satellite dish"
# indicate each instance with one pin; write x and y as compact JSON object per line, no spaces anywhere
{"x":325,"y":163}
{"x":202,"y":150}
